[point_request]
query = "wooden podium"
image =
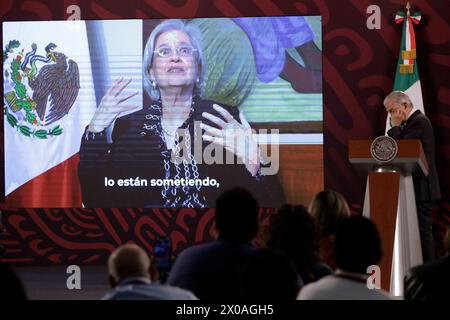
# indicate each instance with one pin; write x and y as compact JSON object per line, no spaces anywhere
{"x":385,"y":193}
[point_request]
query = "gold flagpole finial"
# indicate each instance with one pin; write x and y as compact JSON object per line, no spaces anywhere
{"x":408,"y":6}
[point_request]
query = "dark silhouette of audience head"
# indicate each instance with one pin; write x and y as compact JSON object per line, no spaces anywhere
{"x":357,"y":244}
{"x":329,"y":208}
{"x":236,"y":215}
{"x":11,"y":287}
{"x":270,"y":276}
{"x":129,"y":260}
{"x":293,"y":231}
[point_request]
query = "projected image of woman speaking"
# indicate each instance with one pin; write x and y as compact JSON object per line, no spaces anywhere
{"x":179,"y":150}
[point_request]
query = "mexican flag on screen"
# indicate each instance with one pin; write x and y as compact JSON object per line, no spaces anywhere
{"x":48,"y":101}
{"x":407,"y":74}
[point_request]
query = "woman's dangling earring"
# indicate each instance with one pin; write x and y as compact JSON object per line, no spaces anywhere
{"x":154,"y":84}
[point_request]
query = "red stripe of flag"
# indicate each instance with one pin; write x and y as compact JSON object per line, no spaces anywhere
{"x":412,"y":36}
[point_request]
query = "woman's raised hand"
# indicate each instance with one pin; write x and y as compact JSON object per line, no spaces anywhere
{"x":238,"y":138}
{"x":112,"y":105}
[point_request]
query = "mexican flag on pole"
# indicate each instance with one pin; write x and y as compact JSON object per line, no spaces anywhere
{"x":407,"y":74}
{"x":407,"y":248}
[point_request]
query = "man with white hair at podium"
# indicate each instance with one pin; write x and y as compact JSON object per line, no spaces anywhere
{"x":408,"y":123}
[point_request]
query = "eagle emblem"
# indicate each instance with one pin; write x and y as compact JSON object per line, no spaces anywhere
{"x":384,"y":149}
{"x":54,"y":81}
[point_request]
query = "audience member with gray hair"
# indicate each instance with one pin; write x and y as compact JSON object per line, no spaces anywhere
{"x":129,"y":276}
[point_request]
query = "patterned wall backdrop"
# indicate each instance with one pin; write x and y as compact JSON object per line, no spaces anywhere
{"x":358,"y":71}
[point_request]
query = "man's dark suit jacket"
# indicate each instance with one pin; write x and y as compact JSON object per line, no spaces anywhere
{"x":213,"y":271}
{"x":418,"y":126}
{"x":429,"y":281}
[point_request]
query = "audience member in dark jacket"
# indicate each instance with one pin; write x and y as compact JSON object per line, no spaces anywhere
{"x":271,"y":276}
{"x":213,"y":271}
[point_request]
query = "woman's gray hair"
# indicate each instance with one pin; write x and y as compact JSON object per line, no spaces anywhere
{"x":196,"y":40}
{"x":398,"y":97}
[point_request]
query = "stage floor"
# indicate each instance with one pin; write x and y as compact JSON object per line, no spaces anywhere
{"x":49,"y":283}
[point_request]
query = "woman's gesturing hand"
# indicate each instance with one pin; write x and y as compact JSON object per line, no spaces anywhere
{"x":112,"y":105}
{"x":238,"y":138}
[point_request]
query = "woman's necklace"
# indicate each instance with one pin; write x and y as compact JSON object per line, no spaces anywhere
{"x":172,"y":132}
